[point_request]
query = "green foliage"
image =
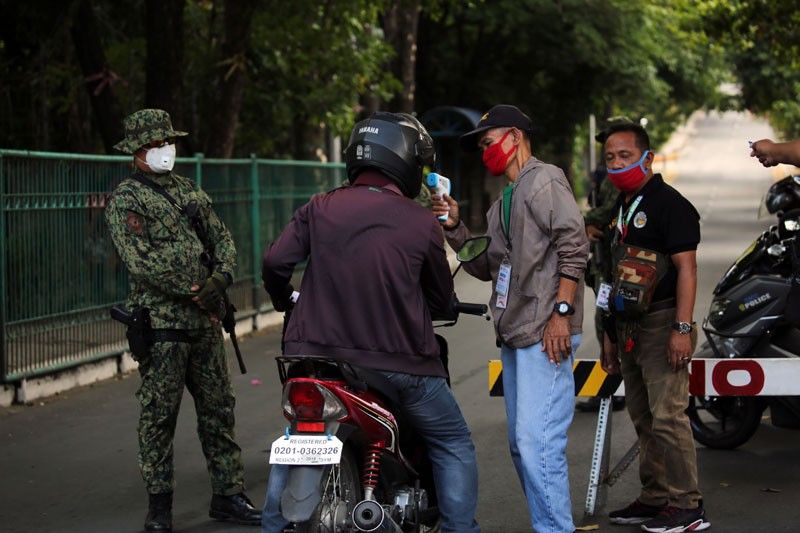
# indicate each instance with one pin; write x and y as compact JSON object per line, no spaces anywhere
{"x":762,"y":41}
{"x":561,"y":61}
{"x":309,"y":67}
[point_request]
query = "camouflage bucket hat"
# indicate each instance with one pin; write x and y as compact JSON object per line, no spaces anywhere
{"x":145,"y":126}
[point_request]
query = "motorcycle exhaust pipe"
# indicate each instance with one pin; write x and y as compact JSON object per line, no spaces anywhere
{"x":369,"y":516}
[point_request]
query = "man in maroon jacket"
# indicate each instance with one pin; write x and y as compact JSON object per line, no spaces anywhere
{"x":377,"y":273}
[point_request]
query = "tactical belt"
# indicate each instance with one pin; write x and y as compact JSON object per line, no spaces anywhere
{"x":174,"y":335}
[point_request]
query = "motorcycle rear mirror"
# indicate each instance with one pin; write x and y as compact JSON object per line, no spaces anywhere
{"x":473,"y":248}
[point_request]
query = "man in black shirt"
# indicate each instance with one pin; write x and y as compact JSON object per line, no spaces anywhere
{"x":655,"y":347}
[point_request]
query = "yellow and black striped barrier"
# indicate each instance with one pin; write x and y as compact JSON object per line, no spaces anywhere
{"x":590,"y":378}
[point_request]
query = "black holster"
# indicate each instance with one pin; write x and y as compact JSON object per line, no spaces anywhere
{"x":140,"y":331}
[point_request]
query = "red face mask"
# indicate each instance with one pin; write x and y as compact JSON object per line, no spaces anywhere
{"x":495,"y":159}
{"x":629,"y":179}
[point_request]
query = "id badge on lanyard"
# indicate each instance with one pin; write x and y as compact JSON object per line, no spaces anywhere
{"x":504,"y":274}
{"x":503,"y":281}
{"x":623,"y":219}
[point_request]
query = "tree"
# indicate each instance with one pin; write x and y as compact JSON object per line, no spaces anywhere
{"x":561,"y":61}
{"x":763,"y":44}
{"x":165,"y":73}
{"x":231,"y":76}
{"x":97,"y":73}
{"x":310,"y":66}
{"x":400,"y":27}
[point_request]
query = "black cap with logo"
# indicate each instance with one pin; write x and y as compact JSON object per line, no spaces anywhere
{"x":500,"y":116}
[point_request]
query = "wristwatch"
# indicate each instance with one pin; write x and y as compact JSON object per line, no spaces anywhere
{"x":563,"y":308}
{"x":684,"y":328}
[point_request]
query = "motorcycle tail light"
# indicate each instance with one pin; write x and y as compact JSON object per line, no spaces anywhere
{"x":311,"y":427}
{"x":306,"y":400}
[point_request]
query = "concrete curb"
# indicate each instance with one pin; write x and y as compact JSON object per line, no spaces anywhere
{"x":30,"y":390}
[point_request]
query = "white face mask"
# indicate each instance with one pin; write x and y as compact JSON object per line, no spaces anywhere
{"x":161,"y":159}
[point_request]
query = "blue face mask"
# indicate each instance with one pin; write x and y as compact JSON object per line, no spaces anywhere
{"x":629,"y":179}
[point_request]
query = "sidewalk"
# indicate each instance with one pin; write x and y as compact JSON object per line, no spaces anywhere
{"x":69,"y":462}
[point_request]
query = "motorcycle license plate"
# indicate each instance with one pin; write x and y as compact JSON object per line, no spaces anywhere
{"x":306,"y":450}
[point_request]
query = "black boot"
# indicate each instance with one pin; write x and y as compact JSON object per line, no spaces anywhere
{"x":159,"y":514}
{"x":236,"y":508}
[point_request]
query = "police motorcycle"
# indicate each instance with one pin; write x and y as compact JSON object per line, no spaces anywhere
{"x":751,"y":315}
{"x":354,"y":463}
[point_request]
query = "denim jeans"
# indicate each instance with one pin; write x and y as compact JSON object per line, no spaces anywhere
{"x":431,"y":408}
{"x":271,"y":519}
{"x":540,"y":399}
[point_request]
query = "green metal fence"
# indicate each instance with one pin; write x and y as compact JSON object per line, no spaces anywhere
{"x":59,"y":272}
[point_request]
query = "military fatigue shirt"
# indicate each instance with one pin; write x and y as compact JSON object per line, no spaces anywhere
{"x":162,"y":251}
{"x":601,"y":215}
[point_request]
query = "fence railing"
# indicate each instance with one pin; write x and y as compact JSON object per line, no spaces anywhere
{"x":59,"y":271}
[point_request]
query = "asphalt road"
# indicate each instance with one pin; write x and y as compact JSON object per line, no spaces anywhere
{"x":68,"y":464}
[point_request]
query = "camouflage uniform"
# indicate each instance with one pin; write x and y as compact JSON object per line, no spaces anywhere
{"x":162,"y":253}
{"x":601,"y":216}
{"x":424,"y":197}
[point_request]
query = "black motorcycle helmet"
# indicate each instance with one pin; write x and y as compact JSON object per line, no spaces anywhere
{"x":783,"y":195}
{"x":397,"y":144}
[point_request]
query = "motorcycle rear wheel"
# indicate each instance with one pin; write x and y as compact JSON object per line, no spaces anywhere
{"x":341,"y":490}
{"x":724,"y":422}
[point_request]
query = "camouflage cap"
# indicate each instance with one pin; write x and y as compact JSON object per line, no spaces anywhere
{"x":145,"y":126}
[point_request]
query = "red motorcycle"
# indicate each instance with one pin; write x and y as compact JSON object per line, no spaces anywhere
{"x":354,"y":463}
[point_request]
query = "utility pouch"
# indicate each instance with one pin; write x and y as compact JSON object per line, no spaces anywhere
{"x":637,"y":272}
{"x":140,"y":331}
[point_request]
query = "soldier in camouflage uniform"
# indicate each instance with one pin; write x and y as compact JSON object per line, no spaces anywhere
{"x":603,"y":199}
{"x":162,"y":252}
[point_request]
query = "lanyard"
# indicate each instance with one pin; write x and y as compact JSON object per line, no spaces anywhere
{"x":622,"y":222}
{"x":505,"y":212}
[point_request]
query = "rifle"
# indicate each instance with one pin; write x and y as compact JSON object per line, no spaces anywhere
{"x":209,"y":260}
{"x":599,"y":248}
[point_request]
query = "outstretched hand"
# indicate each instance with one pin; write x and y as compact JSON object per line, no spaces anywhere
{"x":445,"y":205}
{"x":764,"y":151}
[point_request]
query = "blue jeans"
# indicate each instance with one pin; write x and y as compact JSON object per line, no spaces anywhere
{"x":540,"y":400}
{"x":431,"y":408}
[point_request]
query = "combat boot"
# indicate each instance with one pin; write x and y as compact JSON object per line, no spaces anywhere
{"x":236,"y":508}
{"x":159,"y":514}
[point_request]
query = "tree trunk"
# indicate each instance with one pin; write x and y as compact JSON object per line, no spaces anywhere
{"x":164,"y":67}
{"x":400,"y":26}
{"x":99,"y":77}
{"x":562,"y":144}
{"x":231,"y":77}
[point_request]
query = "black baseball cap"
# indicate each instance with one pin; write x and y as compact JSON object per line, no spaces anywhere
{"x":500,"y":116}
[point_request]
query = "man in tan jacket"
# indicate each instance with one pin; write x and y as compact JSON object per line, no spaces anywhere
{"x":535,"y":262}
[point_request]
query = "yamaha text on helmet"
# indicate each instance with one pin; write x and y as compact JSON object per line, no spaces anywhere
{"x":394,"y":143}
